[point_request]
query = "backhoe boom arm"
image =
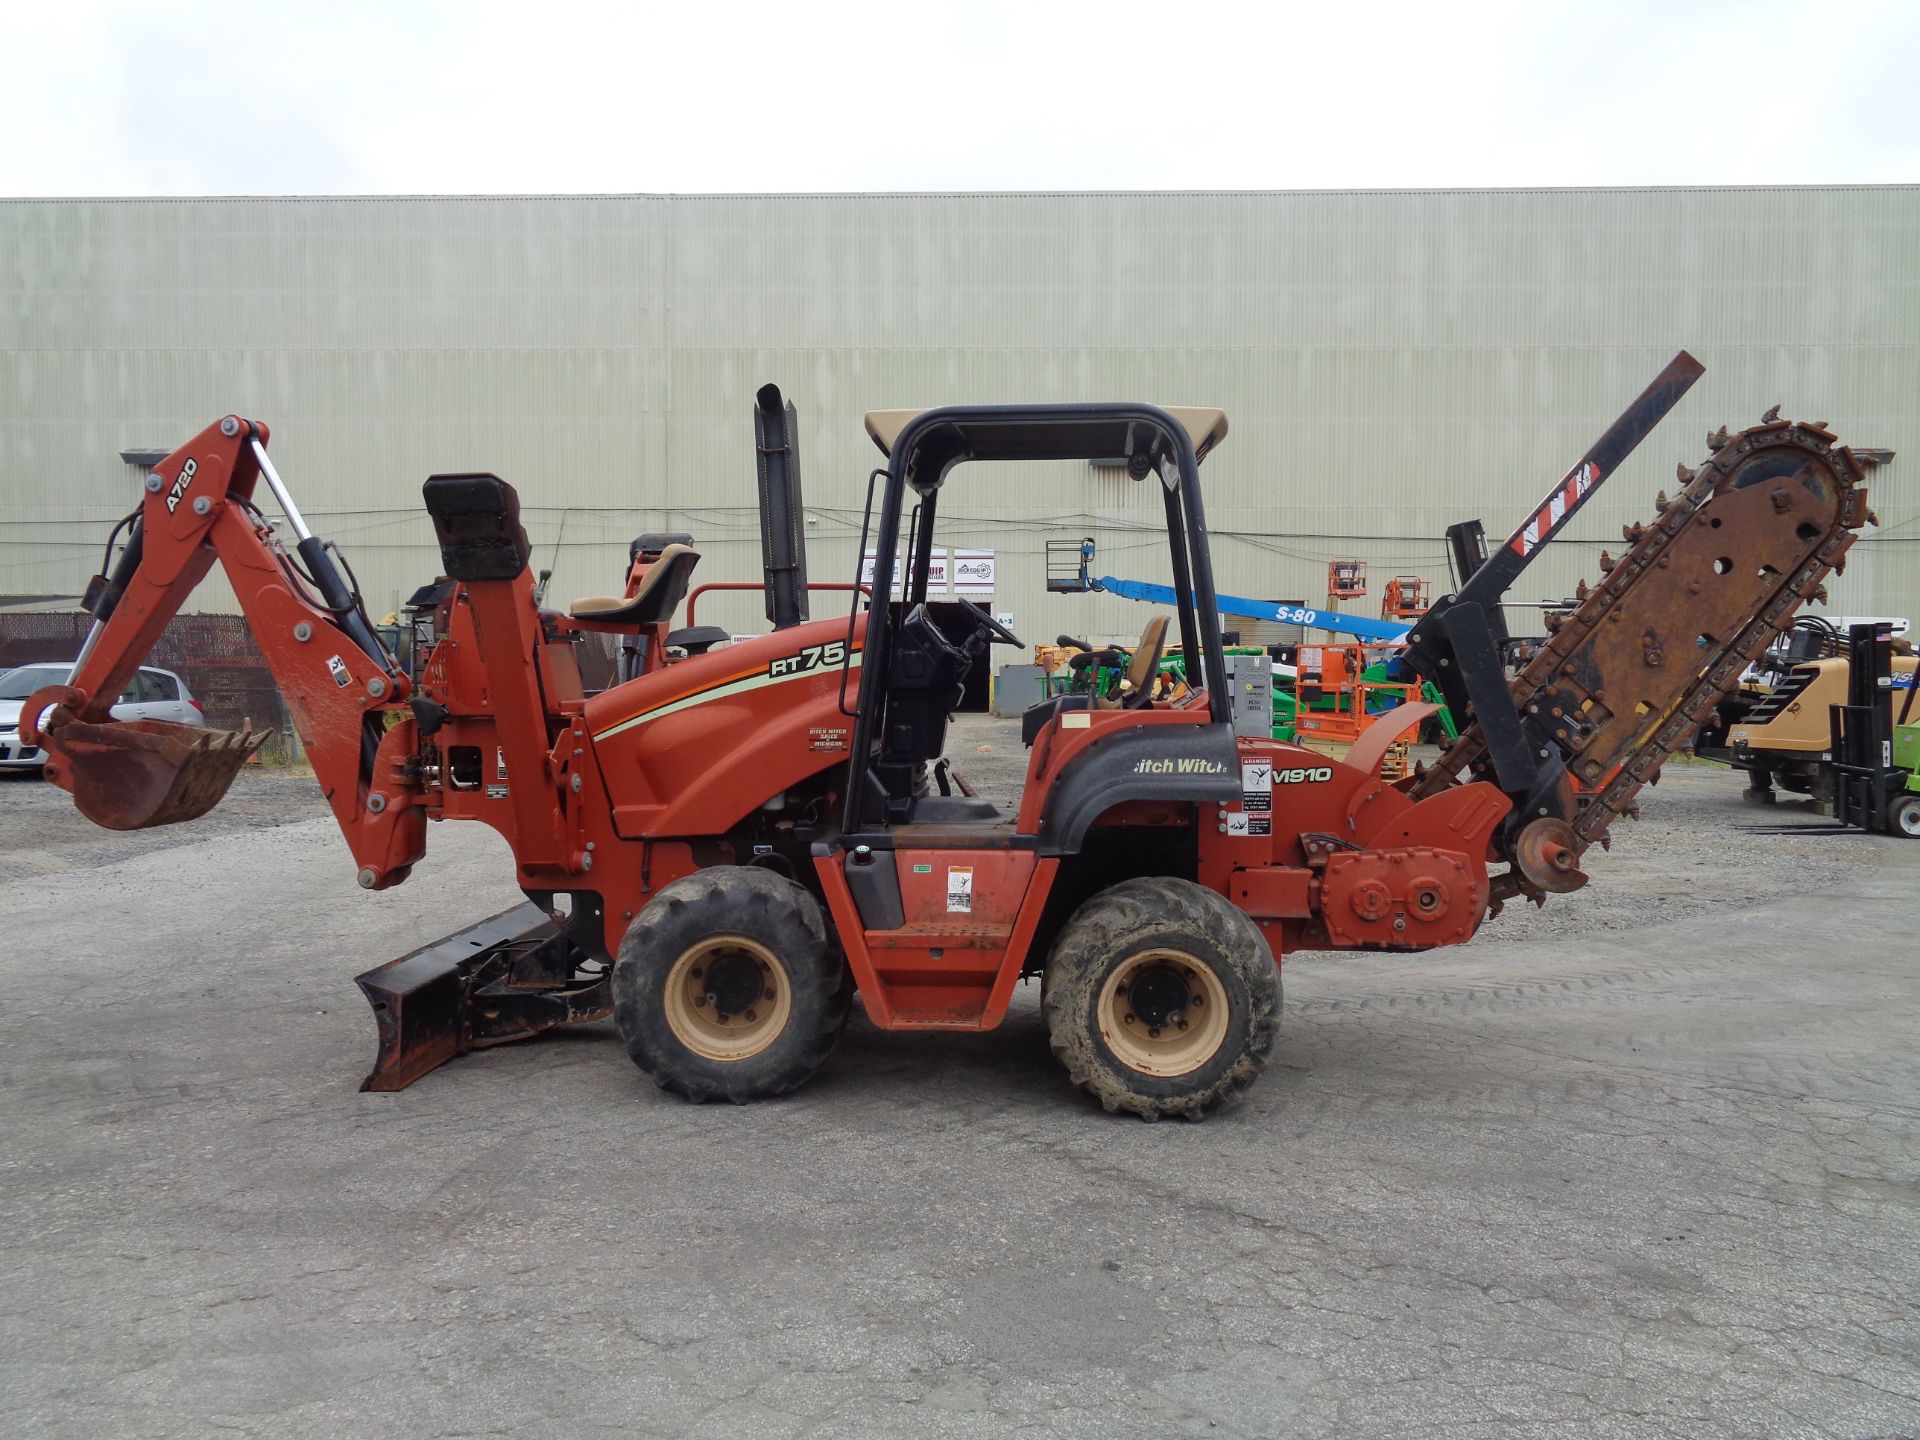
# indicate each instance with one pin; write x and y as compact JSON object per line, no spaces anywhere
{"x":345,"y":692}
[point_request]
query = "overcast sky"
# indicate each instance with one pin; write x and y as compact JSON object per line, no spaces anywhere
{"x":344,"y":97}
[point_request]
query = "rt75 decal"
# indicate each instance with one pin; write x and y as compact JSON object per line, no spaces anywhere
{"x":814,"y":657}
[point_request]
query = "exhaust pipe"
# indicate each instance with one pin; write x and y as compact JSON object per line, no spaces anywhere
{"x":783,"y":543}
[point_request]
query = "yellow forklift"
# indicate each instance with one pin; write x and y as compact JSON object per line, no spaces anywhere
{"x":1828,"y":723}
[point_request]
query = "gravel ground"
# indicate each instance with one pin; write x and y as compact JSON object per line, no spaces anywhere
{"x":1640,"y":1164}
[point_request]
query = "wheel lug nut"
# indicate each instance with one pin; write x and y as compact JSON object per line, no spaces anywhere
{"x":771,"y":993}
{"x":1127,"y":1018}
{"x":749,"y":1015}
{"x":699,"y":974}
{"x":1153,"y":1032}
{"x":1198,"y":1001}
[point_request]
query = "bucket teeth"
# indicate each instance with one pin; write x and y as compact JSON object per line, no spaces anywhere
{"x":1606,"y":562}
{"x":1580,"y":591}
{"x":1773,"y":414}
{"x":1632,"y":533}
{"x":1683,"y":474}
{"x":1661,"y":504}
{"x":1717,"y":439}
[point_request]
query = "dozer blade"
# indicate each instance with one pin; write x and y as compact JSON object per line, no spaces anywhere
{"x":132,"y":774}
{"x":506,"y":978}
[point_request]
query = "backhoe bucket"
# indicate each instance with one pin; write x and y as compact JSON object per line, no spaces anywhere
{"x":133,"y":774}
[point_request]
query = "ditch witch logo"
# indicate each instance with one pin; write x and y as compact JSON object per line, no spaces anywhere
{"x":1184,"y":766}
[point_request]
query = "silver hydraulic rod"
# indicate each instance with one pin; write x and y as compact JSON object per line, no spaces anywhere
{"x":93,"y":638}
{"x":280,"y":491}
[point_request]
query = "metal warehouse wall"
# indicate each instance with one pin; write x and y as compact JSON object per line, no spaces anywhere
{"x":1391,"y":363}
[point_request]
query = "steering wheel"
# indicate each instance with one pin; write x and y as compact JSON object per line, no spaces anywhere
{"x":1000,"y":633}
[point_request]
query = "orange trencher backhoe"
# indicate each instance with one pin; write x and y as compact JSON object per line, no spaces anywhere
{"x":721,"y":850}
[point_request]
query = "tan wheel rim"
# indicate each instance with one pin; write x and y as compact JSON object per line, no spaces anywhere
{"x":728,"y":998}
{"x":1163,"y":1013}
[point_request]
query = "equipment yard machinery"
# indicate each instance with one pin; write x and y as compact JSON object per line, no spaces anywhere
{"x":718,"y":852}
{"x":1317,"y":699}
{"x":1842,"y":729}
{"x":1784,"y":735}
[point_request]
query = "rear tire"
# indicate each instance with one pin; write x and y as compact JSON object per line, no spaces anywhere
{"x":1161,"y":998}
{"x":726,"y":987}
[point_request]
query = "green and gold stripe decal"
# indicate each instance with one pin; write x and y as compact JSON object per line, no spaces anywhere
{"x":737,"y":686}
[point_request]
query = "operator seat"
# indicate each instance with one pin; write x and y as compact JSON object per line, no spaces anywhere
{"x":1140,"y":676}
{"x":659,"y":595}
{"x":1143,"y":669}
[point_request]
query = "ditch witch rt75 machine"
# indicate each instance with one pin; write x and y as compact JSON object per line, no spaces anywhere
{"x":719,"y":851}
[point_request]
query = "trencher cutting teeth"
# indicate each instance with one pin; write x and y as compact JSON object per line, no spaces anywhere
{"x":1777,"y":468}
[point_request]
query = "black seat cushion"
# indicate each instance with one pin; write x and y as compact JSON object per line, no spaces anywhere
{"x":939,"y":809}
{"x":698,"y":639}
{"x":477,"y":521}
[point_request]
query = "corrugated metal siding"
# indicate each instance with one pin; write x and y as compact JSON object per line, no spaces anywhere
{"x":1391,"y":362}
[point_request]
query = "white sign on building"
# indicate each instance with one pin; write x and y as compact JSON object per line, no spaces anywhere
{"x":973,"y":572}
{"x":937,"y":572}
{"x":867,"y":562}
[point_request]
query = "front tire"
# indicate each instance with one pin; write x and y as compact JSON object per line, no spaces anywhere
{"x":1161,"y":998}
{"x":1903,"y":816}
{"x":726,"y":987}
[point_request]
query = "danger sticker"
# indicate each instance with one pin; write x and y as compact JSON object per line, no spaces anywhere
{"x":1239,"y":823}
{"x":341,"y":676}
{"x":1256,"y":786}
{"x":960,"y":889}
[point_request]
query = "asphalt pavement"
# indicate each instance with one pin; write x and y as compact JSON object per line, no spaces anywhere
{"x":1644,"y":1169}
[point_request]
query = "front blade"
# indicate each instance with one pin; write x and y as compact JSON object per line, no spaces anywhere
{"x":470,"y":990}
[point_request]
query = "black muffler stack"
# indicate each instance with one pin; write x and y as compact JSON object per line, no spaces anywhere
{"x":783,"y":541}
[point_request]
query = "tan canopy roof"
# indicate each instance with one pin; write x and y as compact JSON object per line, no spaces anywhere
{"x":1206,"y":426}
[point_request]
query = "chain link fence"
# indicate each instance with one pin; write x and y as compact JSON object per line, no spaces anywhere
{"x":214,"y":654}
{"x":224,"y":669}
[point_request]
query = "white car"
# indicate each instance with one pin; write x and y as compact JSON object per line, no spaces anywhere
{"x":152,"y":695}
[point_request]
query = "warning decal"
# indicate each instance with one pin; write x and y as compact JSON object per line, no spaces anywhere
{"x":1256,"y":785}
{"x":960,"y":888}
{"x":1256,"y":799}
